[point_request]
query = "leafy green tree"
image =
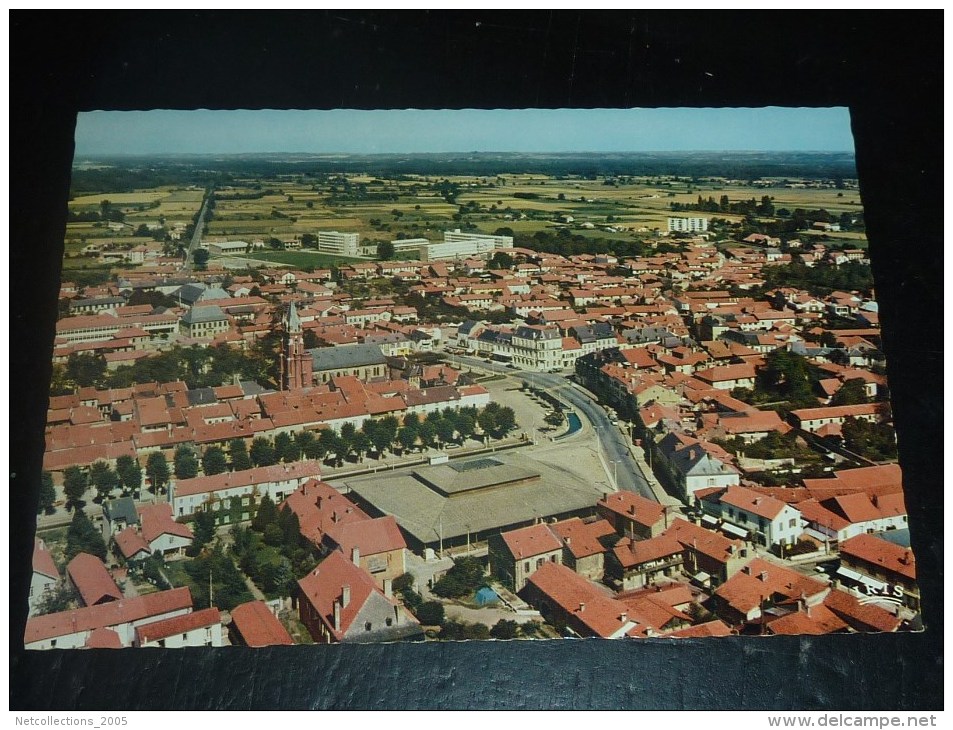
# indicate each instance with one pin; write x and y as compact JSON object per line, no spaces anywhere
{"x":874,"y":441}
{"x":428,"y":434}
{"x":203,"y":531}
{"x":462,"y":631}
{"x":82,"y":537}
{"x":501,"y":260}
{"x":853,"y":392}
{"x":465,"y":577}
{"x":411,"y":420}
{"x":200,"y":257}
{"x":262,"y":452}
{"x":555,"y":418}
{"x":407,"y":438}
{"x":104,"y":479}
{"x":267,"y":514}
{"x":430,"y":613}
{"x":286,"y":448}
{"x":157,"y":469}
{"x":238,"y":455}
{"x":75,"y":484}
{"x":307,"y":444}
{"x":466,"y":425}
{"x":505,"y":629}
{"x":185,"y":463}
{"x":445,"y":430}
{"x":47,"y":496}
{"x":290,"y":528}
{"x":385,"y":251}
{"x":361,"y":444}
{"x":228,"y":585}
{"x":62,"y":597}
{"x":130,"y":474}
{"x":213,"y":461}
{"x":86,"y":369}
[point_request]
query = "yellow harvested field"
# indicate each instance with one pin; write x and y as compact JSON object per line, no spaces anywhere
{"x":139,"y":198}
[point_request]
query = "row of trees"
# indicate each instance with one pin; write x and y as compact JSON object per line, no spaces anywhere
{"x":198,"y":367}
{"x":821,"y":279}
{"x":377,"y":436}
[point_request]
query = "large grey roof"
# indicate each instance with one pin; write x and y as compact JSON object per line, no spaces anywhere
{"x":423,"y":512}
{"x":123,"y":508}
{"x":346,"y":356}
{"x":204,"y":314}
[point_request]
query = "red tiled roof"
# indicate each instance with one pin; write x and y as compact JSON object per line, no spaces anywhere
{"x":861,"y":616}
{"x":258,"y":626}
{"x":582,"y":538}
{"x":527,"y":542}
{"x":594,"y":612}
{"x":760,"y":580}
{"x":156,"y":520}
{"x":92,"y":580}
{"x":248,"y":477}
{"x":816,"y":620}
{"x":319,"y":507}
{"x":178,"y":625}
{"x":881,"y":553}
{"x":130,"y":543}
{"x":711,"y":628}
{"x":103,"y":639}
{"x":634,"y":507}
{"x":370,"y":536}
{"x":324,"y":585}
{"x":106,"y":614}
{"x":43,"y":560}
{"x":753,"y":502}
{"x":706,"y":542}
{"x":631,"y":553}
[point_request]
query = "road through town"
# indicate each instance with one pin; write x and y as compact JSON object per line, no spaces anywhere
{"x":622,"y":466}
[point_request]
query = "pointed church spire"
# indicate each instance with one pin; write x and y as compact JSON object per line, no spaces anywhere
{"x":292,"y":320}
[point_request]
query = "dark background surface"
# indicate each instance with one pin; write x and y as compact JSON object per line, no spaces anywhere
{"x":885,"y":65}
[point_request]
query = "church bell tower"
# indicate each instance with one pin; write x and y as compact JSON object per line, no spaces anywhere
{"x":296,"y":362}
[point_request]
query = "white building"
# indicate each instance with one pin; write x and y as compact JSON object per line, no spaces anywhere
{"x":687,"y":225}
{"x":199,"y":628}
{"x":336,"y":242}
{"x":458,"y":236}
{"x":457,"y":249}
{"x":537,"y":347}
{"x":189,"y":495}
{"x":772,"y":521}
{"x":402,"y":245}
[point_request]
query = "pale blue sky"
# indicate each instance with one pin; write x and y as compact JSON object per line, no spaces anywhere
{"x":492,"y":130}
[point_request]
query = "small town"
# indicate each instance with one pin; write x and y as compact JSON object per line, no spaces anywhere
{"x":311,"y":407}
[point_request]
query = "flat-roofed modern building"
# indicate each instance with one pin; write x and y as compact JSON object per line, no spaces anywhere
{"x":337,"y":242}
{"x":468,"y":500}
{"x":458,"y":236}
{"x":221,"y":248}
{"x":687,"y":225}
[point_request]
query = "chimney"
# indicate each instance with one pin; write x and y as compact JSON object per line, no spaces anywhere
{"x":345,"y":595}
{"x":337,"y":616}
{"x":356,"y":556}
{"x":318,"y":503}
{"x":632,"y":509}
{"x":582,"y":607}
{"x":388,"y":588}
{"x":763,"y":576}
{"x":624,"y":617}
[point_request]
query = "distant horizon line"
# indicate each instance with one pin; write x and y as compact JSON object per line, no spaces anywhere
{"x":471,"y":152}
